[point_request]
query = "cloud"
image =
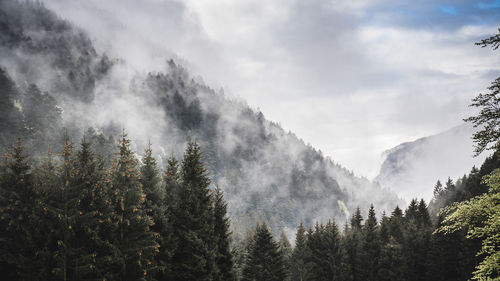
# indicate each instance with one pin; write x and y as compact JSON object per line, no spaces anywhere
{"x":353,"y":78}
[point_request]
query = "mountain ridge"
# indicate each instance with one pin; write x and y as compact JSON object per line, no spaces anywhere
{"x":266,"y":173}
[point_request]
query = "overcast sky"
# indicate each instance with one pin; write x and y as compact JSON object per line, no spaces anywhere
{"x":353,"y":78}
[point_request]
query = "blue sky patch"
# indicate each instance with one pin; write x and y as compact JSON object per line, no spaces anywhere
{"x":495,"y":4}
{"x":448,"y":9}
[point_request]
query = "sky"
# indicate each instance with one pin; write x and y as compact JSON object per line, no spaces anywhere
{"x":352,"y":78}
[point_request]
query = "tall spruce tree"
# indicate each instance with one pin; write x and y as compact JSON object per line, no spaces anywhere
{"x":193,"y":222}
{"x":222,"y":236}
{"x":172,"y":187}
{"x":354,"y":244}
{"x":264,"y":261}
{"x":371,"y":246}
{"x":298,"y":260}
{"x":94,"y":223}
{"x":155,"y":207}
{"x":17,"y":196}
{"x":285,"y":249}
{"x":132,"y":235}
{"x":326,"y":256}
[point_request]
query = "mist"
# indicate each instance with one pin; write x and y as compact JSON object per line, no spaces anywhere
{"x":350,"y":62}
{"x":412,"y":169}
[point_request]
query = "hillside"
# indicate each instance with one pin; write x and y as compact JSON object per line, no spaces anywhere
{"x":53,"y":82}
{"x":412,"y":168}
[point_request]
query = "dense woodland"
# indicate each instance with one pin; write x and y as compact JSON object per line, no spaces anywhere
{"x":69,"y":216}
{"x":98,"y":210}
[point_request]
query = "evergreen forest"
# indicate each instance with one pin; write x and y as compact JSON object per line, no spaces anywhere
{"x":203,"y":187}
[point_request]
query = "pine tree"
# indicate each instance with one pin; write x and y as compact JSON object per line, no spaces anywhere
{"x":73,"y":209}
{"x":264,"y":261}
{"x":62,"y":205}
{"x":391,"y":262}
{"x":132,"y":235}
{"x":354,"y":244}
{"x":371,"y":247}
{"x":193,"y":222}
{"x":416,"y":241}
{"x":396,"y":224}
{"x":424,"y":219}
{"x":171,"y":185}
{"x":298,"y":266}
{"x":384,"y":229}
{"x":17,"y":196}
{"x":94,"y":222}
{"x":326,"y":256}
{"x":155,"y":207}
{"x":438,"y":189}
{"x":357,"y":219}
{"x":286,"y":251}
{"x":222,"y":235}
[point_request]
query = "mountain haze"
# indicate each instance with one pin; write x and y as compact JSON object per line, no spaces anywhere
{"x":54,"y":83}
{"x":412,"y":168}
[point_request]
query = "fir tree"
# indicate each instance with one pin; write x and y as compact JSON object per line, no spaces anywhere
{"x":354,"y":251}
{"x":391,"y":262}
{"x":371,"y":247}
{"x":298,"y":266}
{"x":222,"y":235}
{"x":132,"y":234}
{"x":264,"y":261}
{"x":286,"y":251}
{"x":193,"y":223}
{"x":154,"y":206}
{"x":17,"y":196}
{"x":94,"y":221}
{"x":171,"y":185}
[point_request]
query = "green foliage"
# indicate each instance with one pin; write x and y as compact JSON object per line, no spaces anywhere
{"x":481,"y":216}
{"x":488,"y":119}
{"x":264,"y":261}
{"x":193,"y":221}
{"x":222,"y":236}
{"x":298,"y":263}
{"x":17,"y":196}
{"x":285,"y":249}
{"x":155,"y":206}
{"x":132,"y":235}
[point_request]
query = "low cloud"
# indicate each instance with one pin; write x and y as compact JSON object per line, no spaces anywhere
{"x":351,"y":78}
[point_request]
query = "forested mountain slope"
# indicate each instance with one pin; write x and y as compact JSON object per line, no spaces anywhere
{"x":411,"y":168}
{"x":53,"y":82}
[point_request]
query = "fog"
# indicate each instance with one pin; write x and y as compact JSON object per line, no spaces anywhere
{"x":352,"y":79}
{"x":413,"y":168}
{"x":266,"y":171}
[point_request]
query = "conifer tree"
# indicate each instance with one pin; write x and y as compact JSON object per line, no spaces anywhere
{"x":17,"y":196}
{"x":155,"y":206}
{"x":94,"y":222}
{"x":286,"y":251}
{"x":384,"y":229}
{"x":132,"y":235}
{"x":391,"y":262}
{"x":171,"y":186}
{"x":193,"y":222}
{"x":424,"y":219}
{"x":264,"y":261}
{"x":298,"y":267}
{"x":356,"y":219}
{"x":73,"y":207}
{"x":326,"y":256}
{"x":416,"y":241}
{"x":396,"y":224}
{"x":371,"y":246}
{"x":222,"y":235}
{"x":354,"y":243}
